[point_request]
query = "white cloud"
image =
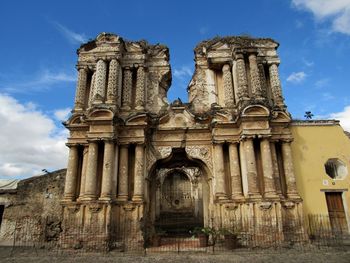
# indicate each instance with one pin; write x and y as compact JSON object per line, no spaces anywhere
{"x":296,"y":77}
{"x":74,"y":38}
{"x":43,"y":80}
{"x":308,"y":63}
{"x":327,"y":96}
{"x":184,"y":72}
{"x":29,"y":140}
{"x":321,"y":83}
{"x":335,"y":11}
{"x":62,"y":114}
{"x":343,"y":117}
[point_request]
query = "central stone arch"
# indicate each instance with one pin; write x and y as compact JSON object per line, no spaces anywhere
{"x":178,"y":194}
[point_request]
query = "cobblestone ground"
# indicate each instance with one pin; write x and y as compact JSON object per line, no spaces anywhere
{"x":285,"y":256}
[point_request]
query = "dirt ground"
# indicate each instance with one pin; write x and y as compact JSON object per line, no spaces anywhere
{"x":286,"y":256}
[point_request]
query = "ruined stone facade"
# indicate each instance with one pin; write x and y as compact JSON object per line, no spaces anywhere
{"x":224,"y":157}
{"x":31,"y":211}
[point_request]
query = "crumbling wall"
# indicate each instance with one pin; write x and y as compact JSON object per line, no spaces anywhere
{"x":33,"y":212}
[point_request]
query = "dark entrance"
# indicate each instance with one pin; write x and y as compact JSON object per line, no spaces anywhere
{"x":176,"y":195}
{"x":180,"y":203}
{"x":2,"y":208}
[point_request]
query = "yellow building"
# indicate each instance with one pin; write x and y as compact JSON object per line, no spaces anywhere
{"x":321,"y":154}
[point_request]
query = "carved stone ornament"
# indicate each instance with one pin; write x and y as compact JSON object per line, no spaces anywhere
{"x":231,"y":207}
{"x":265,"y":205}
{"x":129,"y":207}
{"x":72,"y":209}
{"x":94,"y":208}
{"x":164,"y":151}
{"x":201,"y":152}
{"x":288,"y":205}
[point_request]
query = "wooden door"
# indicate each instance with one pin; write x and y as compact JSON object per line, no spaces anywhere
{"x":336,"y":212}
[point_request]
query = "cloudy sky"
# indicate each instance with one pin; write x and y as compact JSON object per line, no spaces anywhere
{"x":40,"y":38}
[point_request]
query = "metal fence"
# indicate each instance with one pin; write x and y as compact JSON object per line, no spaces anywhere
{"x":314,"y":232}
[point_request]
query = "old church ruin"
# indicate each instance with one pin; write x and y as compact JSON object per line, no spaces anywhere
{"x":139,"y":164}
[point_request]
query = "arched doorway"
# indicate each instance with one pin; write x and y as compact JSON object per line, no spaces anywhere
{"x":179,"y":195}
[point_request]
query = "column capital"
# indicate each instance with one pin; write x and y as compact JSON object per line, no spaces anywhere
{"x":226,"y":67}
{"x":245,"y":137}
{"x":286,"y":140}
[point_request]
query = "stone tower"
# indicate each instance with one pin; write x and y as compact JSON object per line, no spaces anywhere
{"x":223,"y":158}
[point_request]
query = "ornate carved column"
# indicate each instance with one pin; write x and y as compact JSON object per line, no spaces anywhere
{"x":112,"y":87}
{"x":263,"y":84}
{"x":100,"y":82}
{"x":92,"y":88}
{"x":81,"y":89}
{"x":276,"y":172}
{"x":289,"y":169}
{"x":107,"y":174}
{"x":83,"y":172}
{"x":220,"y":192}
{"x":242,"y":89}
{"x":266,"y":158}
{"x":140,"y":88}
{"x":228,"y":87}
{"x":72,"y":174}
{"x":276,"y":85}
{"x":138,"y":170}
{"x":123,"y":173}
{"x":235,"y":171}
{"x":252,"y":175}
{"x":254,"y":76}
{"x":127,"y":89}
{"x":91,"y":173}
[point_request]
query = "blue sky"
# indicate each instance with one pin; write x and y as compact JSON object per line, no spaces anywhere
{"x":40,"y":39}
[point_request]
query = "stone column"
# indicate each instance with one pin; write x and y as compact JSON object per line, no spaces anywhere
{"x":138,"y":170}
{"x":107,"y":173}
{"x":266,"y":158}
{"x":263,"y":83}
{"x":127,"y":89}
{"x":289,"y":169}
{"x":83,"y":172}
{"x":252,"y":174}
{"x":276,"y":172}
{"x":91,"y":173}
{"x":115,"y":170}
{"x":100,"y":82}
{"x":242,"y":89}
{"x":123,"y":173}
{"x":254,"y":76}
{"x":92,"y":88}
{"x":236,"y":182}
{"x":72,"y":174}
{"x":228,"y":87}
{"x":140,"y":88}
{"x":112,"y":87}
{"x":81,"y":89}
{"x":276,"y":85}
{"x":220,"y":192}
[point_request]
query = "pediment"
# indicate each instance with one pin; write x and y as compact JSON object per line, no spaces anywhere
{"x":133,"y":47}
{"x":221,"y":117}
{"x":219,"y":46}
{"x":177,"y":119}
{"x":101,"y":114}
{"x":140,"y":119}
{"x":281,"y":116}
{"x":255,"y":111}
{"x":75,"y":119}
